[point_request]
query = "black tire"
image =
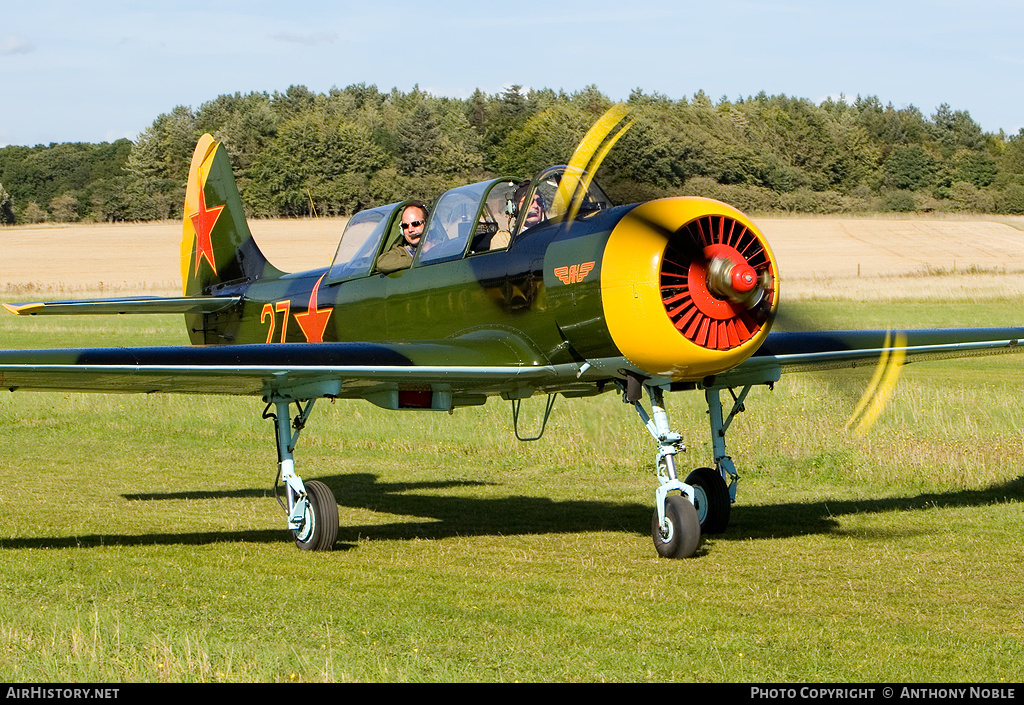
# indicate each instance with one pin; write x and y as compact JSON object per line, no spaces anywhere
{"x":680,"y":538}
{"x":711,"y":499}
{"x":319,"y":530}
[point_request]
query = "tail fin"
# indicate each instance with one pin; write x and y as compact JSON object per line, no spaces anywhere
{"x":216,"y":245}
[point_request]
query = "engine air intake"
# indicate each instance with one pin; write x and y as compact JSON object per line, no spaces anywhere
{"x":717,"y":282}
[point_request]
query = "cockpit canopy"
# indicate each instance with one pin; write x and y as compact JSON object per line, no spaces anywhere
{"x":561,"y":192}
{"x":469,"y":220}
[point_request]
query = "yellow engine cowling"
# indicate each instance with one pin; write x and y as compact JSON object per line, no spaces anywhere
{"x":689,"y":287}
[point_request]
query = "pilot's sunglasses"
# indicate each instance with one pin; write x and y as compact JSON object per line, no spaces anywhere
{"x":413,"y":224}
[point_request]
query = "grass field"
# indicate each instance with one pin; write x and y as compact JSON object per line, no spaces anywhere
{"x":140,"y":541}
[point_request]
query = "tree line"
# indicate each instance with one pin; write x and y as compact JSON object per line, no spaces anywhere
{"x":336,"y":153}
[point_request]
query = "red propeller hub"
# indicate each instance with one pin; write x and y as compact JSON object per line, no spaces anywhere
{"x":743,"y":278}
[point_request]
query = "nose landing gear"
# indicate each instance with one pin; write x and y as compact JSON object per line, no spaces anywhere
{"x":702,"y":503}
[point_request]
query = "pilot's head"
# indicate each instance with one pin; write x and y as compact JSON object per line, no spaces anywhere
{"x":413,"y":218}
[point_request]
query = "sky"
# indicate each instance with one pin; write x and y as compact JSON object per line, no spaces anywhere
{"x":105,"y":69}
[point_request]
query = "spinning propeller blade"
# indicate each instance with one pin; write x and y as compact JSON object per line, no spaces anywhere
{"x":587,"y":158}
{"x":882,"y":385}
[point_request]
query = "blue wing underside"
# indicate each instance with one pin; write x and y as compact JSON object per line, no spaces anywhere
{"x":354,"y":370}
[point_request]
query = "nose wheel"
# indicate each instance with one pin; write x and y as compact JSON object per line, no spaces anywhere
{"x":678,"y":535}
{"x":675,"y":527}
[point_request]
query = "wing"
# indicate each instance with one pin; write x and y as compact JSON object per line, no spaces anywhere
{"x":806,"y":351}
{"x":454,"y":373}
{"x":400,"y":375}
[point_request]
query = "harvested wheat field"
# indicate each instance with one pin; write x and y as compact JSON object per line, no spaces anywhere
{"x":139,"y":258}
{"x":819,"y":257}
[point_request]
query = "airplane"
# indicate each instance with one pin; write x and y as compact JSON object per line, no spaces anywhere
{"x":677,"y":294}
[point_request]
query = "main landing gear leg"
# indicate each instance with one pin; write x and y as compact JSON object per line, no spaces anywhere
{"x":713,"y":498}
{"x":311,"y":507}
{"x":675,"y":527}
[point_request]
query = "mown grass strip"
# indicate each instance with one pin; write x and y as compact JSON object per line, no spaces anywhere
{"x":140,"y":542}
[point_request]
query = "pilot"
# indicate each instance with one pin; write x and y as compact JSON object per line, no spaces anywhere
{"x":414,"y":218}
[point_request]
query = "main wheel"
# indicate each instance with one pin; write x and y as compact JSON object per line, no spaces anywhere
{"x":319,"y":528}
{"x":679,"y":536}
{"x":711,"y":500}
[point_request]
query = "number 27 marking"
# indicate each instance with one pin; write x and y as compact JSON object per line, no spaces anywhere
{"x":268,"y":312}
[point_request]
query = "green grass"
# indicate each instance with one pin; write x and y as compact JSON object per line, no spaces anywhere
{"x":140,"y":541}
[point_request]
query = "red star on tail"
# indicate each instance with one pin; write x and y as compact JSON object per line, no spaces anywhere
{"x":203,"y":222}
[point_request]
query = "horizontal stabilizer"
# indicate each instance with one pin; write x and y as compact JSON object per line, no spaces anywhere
{"x":142,"y":304}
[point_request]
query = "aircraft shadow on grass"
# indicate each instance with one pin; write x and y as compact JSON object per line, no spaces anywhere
{"x":448,"y":516}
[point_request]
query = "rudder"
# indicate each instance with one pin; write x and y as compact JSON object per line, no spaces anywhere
{"x":216,"y":244}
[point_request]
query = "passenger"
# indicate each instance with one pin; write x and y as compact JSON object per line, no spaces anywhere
{"x":414,"y":217}
{"x":537,"y":212}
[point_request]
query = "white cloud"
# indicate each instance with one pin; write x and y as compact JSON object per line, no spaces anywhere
{"x":15,"y":44}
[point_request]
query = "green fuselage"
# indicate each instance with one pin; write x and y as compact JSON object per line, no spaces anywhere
{"x":509,"y":297}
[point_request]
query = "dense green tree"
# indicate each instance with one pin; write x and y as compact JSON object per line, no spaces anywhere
{"x":974,"y":167}
{"x":420,"y":142}
{"x":359,"y":146}
{"x":506,"y":112}
{"x":856,"y":157}
{"x":591,"y":101}
{"x":244,"y":124}
{"x":1012,"y":199}
{"x":898,"y":202}
{"x":547,"y":138}
{"x":967,"y":197}
{"x":643,"y":156}
{"x":110,"y":200}
{"x":328,"y":162}
{"x":6,"y":207}
{"x":477,"y":110}
{"x":44,"y":172}
{"x":159,"y":164}
{"x":163,"y":152}
{"x":32,"y":213}
{"x":64,"y":208}
{"x":1013,"y":156}
{"x":954,"y":129}
{"x":295,"y":101}
{"x":909,"y":167}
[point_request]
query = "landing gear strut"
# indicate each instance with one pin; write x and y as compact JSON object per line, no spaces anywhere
{"x":675,"y":528}
{"x":718,"y":497}
{"x":311,"y":508}
{"x":704,"y":500}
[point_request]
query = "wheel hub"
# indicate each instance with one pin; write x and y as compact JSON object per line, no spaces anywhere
{"x":308,"y":524}
{"x":667,"y":530}
{"x":700,"y":503}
